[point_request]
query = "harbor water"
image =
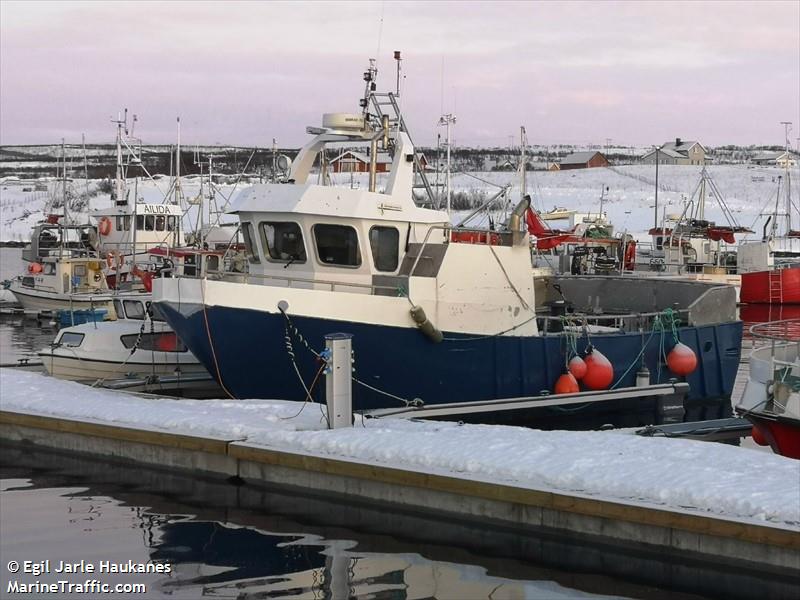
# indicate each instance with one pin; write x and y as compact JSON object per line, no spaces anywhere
{"x":225,"y":540}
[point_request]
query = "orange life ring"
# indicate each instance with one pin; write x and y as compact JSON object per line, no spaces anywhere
{"x":104,"y":226}
{"x":629,"y":262}
{"x":34,"y":268}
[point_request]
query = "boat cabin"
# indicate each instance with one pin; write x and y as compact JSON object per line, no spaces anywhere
{"x":134,"y":230}
{"x":65,"y":275}
{"x":53,"y":239}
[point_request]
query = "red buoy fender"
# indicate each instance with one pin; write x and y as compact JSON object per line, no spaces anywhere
{"x":681,"y":360}
{"x":577,"y":366}
{"x":599,"y":371}
{"x":566,"y":384}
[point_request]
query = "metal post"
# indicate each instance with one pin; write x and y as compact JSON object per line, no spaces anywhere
{"x":655,"y":212}
{"x":339,"y":380}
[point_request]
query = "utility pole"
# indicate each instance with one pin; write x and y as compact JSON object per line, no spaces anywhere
{"x":523,"y":141}
{"x":655,"y":212}
{"x":447,"y":120}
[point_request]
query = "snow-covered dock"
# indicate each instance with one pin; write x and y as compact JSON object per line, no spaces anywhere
{"x":708,"y":499}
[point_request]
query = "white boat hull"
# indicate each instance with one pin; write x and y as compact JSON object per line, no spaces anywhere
{"x":38,"y":301}
{"x":75,"y":368}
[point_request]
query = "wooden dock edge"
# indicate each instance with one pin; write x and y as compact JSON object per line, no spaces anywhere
{"x":714,"y":537}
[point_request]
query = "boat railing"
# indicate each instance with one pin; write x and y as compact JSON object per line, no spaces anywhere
{"x":594,"y":323}
{"x":373,"y":289}
{"x":785,"y":330}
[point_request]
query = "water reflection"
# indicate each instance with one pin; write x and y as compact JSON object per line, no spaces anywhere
{"x":243,"y":541}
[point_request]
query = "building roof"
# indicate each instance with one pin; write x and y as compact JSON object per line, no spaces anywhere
{"x":579,"y":158}
{"x":772,"y":155}
{"x":666,"y":152}
{"x":680,"y":145}
{"x":364,"y":158}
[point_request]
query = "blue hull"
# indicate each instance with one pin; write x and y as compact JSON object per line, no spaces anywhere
{"x":252,"y":361}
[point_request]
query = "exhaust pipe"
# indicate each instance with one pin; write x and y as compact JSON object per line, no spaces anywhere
{"x":515,"y":220}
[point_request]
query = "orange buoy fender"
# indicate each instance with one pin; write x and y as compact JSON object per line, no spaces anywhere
{"x":758,"y":437}
{"x":104,"y":226}
{"x":35,"y":268}
{"x":566,"y":384}
{"x":577,"y":366}
{"x":599,"y":370}
{"x":681,"y":360}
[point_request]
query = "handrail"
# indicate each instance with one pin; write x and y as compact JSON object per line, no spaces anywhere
{"x":290,"y":280}
{"x":783,"y":330}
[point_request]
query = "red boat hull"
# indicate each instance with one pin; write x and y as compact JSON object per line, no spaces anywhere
{"x":781,"y":286}
{"x":781,"y":433}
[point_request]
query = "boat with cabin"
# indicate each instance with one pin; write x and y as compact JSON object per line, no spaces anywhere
{"x":771,"y":399}
{"x":137,"y":350}
{"x":770,"y":267}
{"x":438,"y":314}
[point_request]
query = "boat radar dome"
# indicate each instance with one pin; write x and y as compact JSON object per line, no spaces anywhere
{"x":343,"y":121}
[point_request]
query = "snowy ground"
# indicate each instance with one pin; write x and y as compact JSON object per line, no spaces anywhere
{"x":629,"y":201}
{"x":685,"y":475}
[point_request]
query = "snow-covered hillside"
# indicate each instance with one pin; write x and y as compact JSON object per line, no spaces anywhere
{"x":629,"y":199}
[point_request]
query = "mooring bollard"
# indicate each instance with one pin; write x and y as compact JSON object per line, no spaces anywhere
{"x":339,"y":379}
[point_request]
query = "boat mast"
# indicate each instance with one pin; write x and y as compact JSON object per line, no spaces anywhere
{"x":447,"y":120}
{"x":523,"y":141}
{"x":787,"y":127}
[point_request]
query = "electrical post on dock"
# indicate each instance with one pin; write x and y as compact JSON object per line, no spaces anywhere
{"x":339,"y":379}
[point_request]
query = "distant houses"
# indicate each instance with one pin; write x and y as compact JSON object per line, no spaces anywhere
{"x":679,"y":152}
{"x":583,"y":160}
{"x":358,"y":162}
{"x":781,"y":159}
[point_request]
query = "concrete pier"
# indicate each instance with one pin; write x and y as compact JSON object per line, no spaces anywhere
{"x":670,"y":532}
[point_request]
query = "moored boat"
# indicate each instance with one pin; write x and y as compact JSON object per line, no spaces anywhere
{"x":771,"y":400}
{"x":438,"y":314}
{"x":138,"y":344}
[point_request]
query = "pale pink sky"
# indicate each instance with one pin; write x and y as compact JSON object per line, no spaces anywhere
{"x":245,"y":72}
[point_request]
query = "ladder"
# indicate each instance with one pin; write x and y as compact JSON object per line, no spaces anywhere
{"x":388,"y":100}
{"x":775,"y":287}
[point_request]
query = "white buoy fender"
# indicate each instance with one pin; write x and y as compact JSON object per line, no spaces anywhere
{"x":425,"y":326}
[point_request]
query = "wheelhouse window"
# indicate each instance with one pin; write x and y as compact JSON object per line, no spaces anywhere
{"x":385,"y":245}
{"x":171,"y":223}
{"x":337,"y":245}
{"x":118,"y":309}
{"x":283,"y":242}
{"x":160,"y":342}
{"x":134,"y":310}
{"x":71,"y":339}
{"x":160,"y":223}
{"x":250,"y":248}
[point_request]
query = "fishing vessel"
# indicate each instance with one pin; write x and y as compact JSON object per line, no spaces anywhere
{"x":770,"y":267}
{"x":771,"y":400}
{"x":438,"y":314}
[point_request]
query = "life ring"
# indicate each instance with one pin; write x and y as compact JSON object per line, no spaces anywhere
{"x":629,"y":261}
{"x":97,"y":277}
{"x":34,"y":268}
{"x":104,"y":226}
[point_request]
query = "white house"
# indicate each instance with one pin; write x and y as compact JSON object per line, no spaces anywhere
{"x":679,"y":152}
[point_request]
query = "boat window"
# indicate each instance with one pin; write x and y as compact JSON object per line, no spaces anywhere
{"x":118,"y":309}
{"x":659,"y":243}
{"x":79,"y":271}
{"x":70,"y":339}
{"x":48,"y":269}
{"x":283,"y":242}
{"x":385,"y":245}
{"x":171,"y":223}
{"x":337,"y":245}
{"x":212,"y":263}
{"x":190,"y":266}
{"x":140,"y":222}
{"x":126,"y":222}
{"x":160,"y":342}
{"x":28,"y":282}
{"x":120,"y":224}
{"x":149,"y":222}
{"x":134,"y":309}
{"x":252,"y":251}
{"x":160,"y":222}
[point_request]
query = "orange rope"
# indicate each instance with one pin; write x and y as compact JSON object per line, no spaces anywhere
{"x":211,"y":342}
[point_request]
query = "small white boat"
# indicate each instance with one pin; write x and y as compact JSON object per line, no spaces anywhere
{"x":62,"y":282}
{"x":138,"y":347}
